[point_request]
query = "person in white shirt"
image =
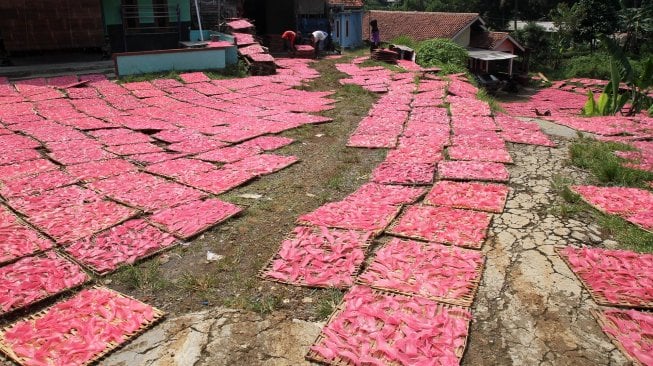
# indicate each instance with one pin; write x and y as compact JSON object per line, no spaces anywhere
{"x":317,"y":38}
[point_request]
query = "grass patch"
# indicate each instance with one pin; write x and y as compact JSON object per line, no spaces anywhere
{"x":373,"y":63}
{"x":599,"y":158}
{"x":494,"y":104}
{"x":328,"y":302}
{"x":149,"y":77}
{"x":238,"y":70}
{"x":264,"y":304}
{"x":572,"y":203}
{"x":626,"y":233}
{"x":146,"y":276}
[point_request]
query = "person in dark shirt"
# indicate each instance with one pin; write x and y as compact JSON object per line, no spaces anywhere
{"x":375,"y":35}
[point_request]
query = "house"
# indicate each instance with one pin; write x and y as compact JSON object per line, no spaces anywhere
{"x":125,"y":25}
{"x":488,"y":51}
{"x":343,"y":18}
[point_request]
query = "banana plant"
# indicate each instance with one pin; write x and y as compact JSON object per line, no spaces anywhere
{"x":613,"y":100}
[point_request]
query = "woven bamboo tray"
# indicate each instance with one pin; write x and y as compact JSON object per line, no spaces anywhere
{"x":465,"y":301}
{"x":597,"y":296}
{"x":462,"y":207}
{"x":188,"y":237}
{"x":605,"y":323}
{"x":316,"y":357}
{"x":603,"y":211}
{"x":391,"y":230}
{"x":111,"y":346}
{"x":47,"y":297}
{"x":301,"y":282}
{"x":93,"y":271}
{"x":375,"y":233}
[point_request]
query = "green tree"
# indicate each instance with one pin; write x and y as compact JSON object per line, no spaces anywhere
{"x":637,"y":23}
{"x":536,"y":41}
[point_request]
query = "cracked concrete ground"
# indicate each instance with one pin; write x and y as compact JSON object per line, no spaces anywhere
{"x":221,"y":337}
{"x":530,"y":309}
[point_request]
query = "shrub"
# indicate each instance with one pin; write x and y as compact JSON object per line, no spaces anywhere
{"x":443,"y":53}
{"x":405,"y":41}
{"x":595,"y":66}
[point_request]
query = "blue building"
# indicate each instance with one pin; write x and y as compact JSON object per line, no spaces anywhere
{"x":347,"y":22}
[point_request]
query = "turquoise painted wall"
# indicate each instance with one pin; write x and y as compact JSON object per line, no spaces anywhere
{"x":111,"y":10}
{"x":355,"y":37}
{"x":183,"y":60}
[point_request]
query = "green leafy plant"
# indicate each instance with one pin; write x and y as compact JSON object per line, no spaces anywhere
{"x":612,"y":100}
{"x":443,"y":53}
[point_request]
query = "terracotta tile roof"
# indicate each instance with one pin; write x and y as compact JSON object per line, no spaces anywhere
{"x":487,"y":40}
{"x":346,"y":3}
{"x":417,"y":25}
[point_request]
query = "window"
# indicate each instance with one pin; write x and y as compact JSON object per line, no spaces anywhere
{"x":347,"y":28}
{"x":337,"y":29}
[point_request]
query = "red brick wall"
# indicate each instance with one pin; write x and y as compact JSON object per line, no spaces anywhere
{"x":51,"y":24}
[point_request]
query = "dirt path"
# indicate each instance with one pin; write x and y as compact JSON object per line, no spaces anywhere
{"x":530,"y":309}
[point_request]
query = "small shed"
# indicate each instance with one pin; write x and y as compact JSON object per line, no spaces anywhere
{"x":347,"y":22}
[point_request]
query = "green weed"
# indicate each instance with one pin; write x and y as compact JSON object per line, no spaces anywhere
{"x":328,"y":303}
{"x":599,"y":158}
{"x":146,"y":276}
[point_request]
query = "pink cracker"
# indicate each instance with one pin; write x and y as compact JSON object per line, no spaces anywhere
{"x":52,"y":200}
{"x":415,"y":154}
{"x":527,"y":137}
{"x":443,"y":225}
{"x":134,"y":149}
{"x":17,"y":170}
{"x":75,"y":222}
{"x":267,"y":143}
{"x":17,"y":239}
{"x":373,"y":141}
{"x":404,"y":173}
{"x":32,"y":279}
{"x":125,"y":138}
{"x":351,"y":215}
{"x":220,"y":180}
{"x":18,"y":156}
{"x":164,"y":194}
{"x":101,"y":169}
{"x":617,"y":200}
{"x":385,"y":194}
{"x":614,"y":277}
{"x":190,"y":219}
{"x":631,"y":331}
{"x":180,"y":168}
{"x":262,"y":164}
{"x":194,"y":77}
{"x":381,"y":329}
{"x":87,"y":123}
{"x":228,"y":154}
{"x":12,"y":141}
{"x":120,"y":245}
{"x":80,"y":155}
{"x":319,"y":257}
{"x":438,"y":272}
{"x":77,"y":330}
{"x":475,"y":154}
{"x":469,"y":195}
{"x":36,"y":184}
{"x":153,"y":158}
{"x":196,"y":145}
{"x":472,"y":170}
{"x":177,"y":135}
